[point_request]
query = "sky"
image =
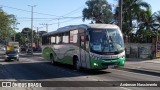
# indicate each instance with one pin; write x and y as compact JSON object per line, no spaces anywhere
{"x":66,"y":12}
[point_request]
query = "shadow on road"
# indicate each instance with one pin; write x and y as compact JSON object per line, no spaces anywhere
{"x":141,"y":71}
{"x":44,"y":70}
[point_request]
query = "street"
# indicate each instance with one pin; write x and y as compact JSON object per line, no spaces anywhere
{"x":37,"y":69}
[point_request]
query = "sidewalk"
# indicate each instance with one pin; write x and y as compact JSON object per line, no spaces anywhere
{"x":149,"y":66}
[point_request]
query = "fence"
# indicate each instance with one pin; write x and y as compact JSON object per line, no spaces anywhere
{"x":139,"y":50}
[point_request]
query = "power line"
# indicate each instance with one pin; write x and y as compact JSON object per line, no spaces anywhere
{"x":33,"y":12}
{"x":58,"y":17}
{"x":68,"y":14}
{"x":68,"y":20}
{"x":46,"y":26}
{"x":49,"y":18}
{"x":74,"y":10}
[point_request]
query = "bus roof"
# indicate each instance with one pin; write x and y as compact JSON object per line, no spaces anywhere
{"x":85,"y":26}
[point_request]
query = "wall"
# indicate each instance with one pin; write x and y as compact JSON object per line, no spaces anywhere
{"x":139,"y":50}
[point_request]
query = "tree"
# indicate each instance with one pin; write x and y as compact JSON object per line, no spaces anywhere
{"x":7,"y":22}
{"x":145,"y":24}
{"x":20,"y":38}
{"x":156,"y":24}
{"x":98,"y":10}
{"x":27,"y":32}
{"x":157,"y":17}
{"x":39,"y":37}
{"x":133,"y":11}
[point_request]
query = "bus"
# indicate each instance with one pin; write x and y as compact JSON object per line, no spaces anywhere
{"x":90,"y":46}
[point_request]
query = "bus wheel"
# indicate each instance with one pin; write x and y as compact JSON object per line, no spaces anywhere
{"x":52,"y":59}
{"x":77,"y":64}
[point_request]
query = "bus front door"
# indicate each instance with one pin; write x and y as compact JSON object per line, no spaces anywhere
{"x":84,"y":56}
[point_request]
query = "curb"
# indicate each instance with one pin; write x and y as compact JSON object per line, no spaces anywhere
{"x":142,"y":71}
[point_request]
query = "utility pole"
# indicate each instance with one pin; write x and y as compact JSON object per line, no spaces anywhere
{"x":32,"y":27}
{"x":46,"y":26}
{"x":15,"y":28}
{"x":58,"y":23}
{"x":120,"y":14}
{"x":38,"y":35}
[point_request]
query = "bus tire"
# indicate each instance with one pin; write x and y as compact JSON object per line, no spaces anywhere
{"x":52,"y":59}
{"x":76,"y":64}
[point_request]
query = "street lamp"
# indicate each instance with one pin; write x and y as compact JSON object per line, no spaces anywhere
{"x":32,"y":26}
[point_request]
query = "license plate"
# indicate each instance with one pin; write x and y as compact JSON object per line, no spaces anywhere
{"x":111,"y":66}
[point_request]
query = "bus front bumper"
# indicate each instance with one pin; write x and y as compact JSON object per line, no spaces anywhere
{"x":104,"y":64}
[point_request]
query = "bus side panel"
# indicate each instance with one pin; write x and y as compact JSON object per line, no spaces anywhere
{"x":68,"y":54}
{"x":46,"y":52}
{"x":64,"y":53}
{"x":85,"y":61}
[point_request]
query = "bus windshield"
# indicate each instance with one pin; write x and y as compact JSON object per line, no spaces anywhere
{"x":106,"y":40}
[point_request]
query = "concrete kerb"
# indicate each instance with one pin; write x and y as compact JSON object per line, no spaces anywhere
{"x":137,"y":59}
{"x":142,"y":71}
{"x":142,"y":60}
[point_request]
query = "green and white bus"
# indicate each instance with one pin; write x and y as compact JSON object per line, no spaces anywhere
{"x":92,"y":46}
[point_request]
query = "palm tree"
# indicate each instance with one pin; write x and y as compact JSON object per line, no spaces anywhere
{"x":156,"y":24}
{"x":98,"y":11}
{"x":157,"y":17}
{"x":133,"y":11}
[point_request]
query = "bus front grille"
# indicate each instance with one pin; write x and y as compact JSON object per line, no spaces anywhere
{"x":110,"y":59}
{"x":107,"y":64}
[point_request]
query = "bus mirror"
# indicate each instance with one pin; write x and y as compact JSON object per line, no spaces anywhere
{"x":87,"y":38}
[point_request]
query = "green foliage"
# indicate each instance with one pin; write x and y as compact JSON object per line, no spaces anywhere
{"x":156,"y":17}
{"x":27,"y":34}
{"x":7,"y":25}
{"x":133,"y":10}
{"x":98,"y":10}
{"x":20,"y":38}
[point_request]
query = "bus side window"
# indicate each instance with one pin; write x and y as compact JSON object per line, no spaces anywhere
{"x":73,"y":36}
{"x":60,"y":38}
{"x":57,"y":39}
{"x":82,"y":41}
{"x":53,"y":40}
{"x":65,"y":38}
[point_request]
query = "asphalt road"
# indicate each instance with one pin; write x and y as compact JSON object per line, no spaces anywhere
{"x":37,"y":69}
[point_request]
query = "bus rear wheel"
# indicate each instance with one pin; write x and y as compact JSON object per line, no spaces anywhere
{"x":52,"y":59}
